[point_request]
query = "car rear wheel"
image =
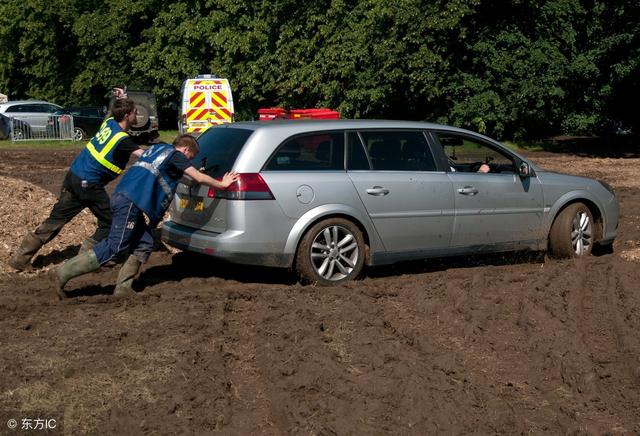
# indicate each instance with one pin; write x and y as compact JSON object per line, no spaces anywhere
{"x":331,"y":252}
{"x":572,"y":232}
{"x":78,"y":134}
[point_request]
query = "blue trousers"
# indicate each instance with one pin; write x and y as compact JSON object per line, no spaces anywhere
{"x":129,"y":232}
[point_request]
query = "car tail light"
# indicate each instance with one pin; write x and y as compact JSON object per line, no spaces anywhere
{"x":249,"y":186}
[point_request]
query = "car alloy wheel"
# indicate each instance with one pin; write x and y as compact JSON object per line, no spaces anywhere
{"x":572,"y":232}
{"x":331,"y":252}
{"x":78,"y":134}
{"x":334,"y":253}
{"x":20,"y":134}
{"x":581,"y":233}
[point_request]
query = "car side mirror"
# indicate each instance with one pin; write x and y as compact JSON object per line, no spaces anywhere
{"x":524,"y":170}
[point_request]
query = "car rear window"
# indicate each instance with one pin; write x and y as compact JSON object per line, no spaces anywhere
{"x":219,"y":149}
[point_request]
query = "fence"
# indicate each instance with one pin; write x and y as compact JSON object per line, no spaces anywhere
{"x":43,"y":127}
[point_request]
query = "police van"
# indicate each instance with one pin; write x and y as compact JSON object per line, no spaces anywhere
{"x":206,"y":101}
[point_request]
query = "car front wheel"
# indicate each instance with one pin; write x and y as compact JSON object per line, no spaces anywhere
{"x":331,"y":252}
{"x":572,"y":232}
{"x":78,"y":134}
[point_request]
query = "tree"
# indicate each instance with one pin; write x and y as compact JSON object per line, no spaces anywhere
{"x":37,"y":41}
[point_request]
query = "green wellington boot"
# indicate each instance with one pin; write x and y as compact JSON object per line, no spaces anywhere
{"x":76,"y":266}
{"x":126,"y":275}
{"x":21,"y":259}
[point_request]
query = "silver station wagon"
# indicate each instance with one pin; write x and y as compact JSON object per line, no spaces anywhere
{"x":328,"y":197}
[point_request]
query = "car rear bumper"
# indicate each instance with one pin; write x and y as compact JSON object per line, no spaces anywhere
{"x":233,"y":246}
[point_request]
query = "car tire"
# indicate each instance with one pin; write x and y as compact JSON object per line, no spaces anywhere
{"x":331,"y":252}
{"x":572,"y":232}
{"x":21,"y":132}
{"x":78,"y":134}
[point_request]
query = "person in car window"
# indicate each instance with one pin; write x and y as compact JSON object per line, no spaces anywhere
{"x":138,"y":204}
{"x":484,"y":168}
{"x":101,"y":161}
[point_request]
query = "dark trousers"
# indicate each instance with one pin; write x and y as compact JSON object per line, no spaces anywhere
{"x":74,"y":197}
{"x":129,"y":233}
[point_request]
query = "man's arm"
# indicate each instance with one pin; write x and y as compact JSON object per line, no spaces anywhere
{"x":204,"y":179}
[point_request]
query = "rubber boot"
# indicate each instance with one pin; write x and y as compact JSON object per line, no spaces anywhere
{"x":126,"y":275}
{"x":76,"y":266}
{"x":21,"y":259}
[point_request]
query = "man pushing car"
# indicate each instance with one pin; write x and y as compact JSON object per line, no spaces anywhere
{"x":137,"y":206}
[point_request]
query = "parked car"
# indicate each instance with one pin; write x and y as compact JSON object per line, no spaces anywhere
{"x":86,"y":122}
{"x":145,"y":129}
{"x":328,"y":197}
{"x":33,"y":112}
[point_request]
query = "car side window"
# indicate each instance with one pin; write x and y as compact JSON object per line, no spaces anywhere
{"x":398,"y":150}
{"x":357,"y":158}
{"x":39,"y":108}
{"x":467,"y":154}
{"x":314,"y":152}
{"x":16,"y":108}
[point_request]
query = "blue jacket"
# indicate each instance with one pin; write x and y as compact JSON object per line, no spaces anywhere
{"x":147,"y":183}
{"x":95,"y":162}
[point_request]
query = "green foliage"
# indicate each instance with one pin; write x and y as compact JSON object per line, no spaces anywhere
{"x":507,"y":68}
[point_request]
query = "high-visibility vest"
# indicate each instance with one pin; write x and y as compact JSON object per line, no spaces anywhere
{"x":147,"y":183}
{"x":95,"y":162}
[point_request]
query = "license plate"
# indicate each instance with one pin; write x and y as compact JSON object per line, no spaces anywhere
{"x":190,"y":203}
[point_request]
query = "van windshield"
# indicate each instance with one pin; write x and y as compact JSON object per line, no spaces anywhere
{"x":219,"y":148}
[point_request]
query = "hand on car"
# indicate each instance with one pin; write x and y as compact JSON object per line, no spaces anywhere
{"x":229,"y":178}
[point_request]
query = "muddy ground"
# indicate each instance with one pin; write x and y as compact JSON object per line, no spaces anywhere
{"x":493,"y":345}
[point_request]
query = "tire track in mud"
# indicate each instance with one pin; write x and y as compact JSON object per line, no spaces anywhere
{"x":584,"y":348}
{"x":250,"y":406}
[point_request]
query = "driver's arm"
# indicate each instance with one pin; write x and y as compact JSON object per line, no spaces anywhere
{"x":484,"y":168}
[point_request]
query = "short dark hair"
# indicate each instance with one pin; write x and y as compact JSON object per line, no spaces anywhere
{"x":187,"y":141}
{"x":122,"y":107}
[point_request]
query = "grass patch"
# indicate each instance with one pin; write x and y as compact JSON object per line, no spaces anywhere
{"x":168,"y":136}
{"x":40,"y":144}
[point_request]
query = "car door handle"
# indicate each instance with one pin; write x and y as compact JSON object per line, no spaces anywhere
{"x":468,"y":190}
{"x":377,"y":191}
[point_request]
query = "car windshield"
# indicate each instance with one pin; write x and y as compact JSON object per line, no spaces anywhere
{"x":219,"y":148}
